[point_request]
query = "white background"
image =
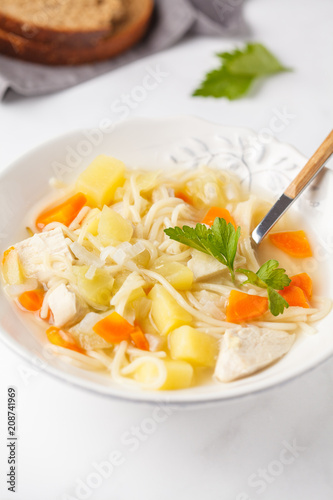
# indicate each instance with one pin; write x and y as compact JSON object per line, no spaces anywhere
{"x":217,"y":452}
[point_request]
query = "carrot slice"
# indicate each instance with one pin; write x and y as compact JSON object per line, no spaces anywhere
{"x":64,"y":213}
{"x":114,"y":328}
{"x":294,"y":243}
{"x":295,"y":296}
{"x":32,"y":300}
{"x":139,"y":339}
{"x":242,"y":306}
{"x":62,"y":339}
{"x":214,"y":212}
{"x":304,"y":282}
{"x":183,"y":196}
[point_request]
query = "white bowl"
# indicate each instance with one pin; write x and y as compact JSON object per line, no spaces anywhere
{"x":260,"y":162}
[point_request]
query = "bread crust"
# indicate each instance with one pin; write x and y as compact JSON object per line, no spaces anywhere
{"x":123,"y":37}
{"x":61,"y":37}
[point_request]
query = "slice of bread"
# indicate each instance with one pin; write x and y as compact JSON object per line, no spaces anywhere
{"x":124,"y":35}
{"x":70,"y":23}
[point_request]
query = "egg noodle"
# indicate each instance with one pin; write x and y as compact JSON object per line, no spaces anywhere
{"x":151,"y":202}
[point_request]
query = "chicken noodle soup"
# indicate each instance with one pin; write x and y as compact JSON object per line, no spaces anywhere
{"x":150,"y":277}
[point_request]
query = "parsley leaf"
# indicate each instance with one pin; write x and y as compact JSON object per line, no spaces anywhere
{"x":189,"y":236}
{"x":254,"y":60}
{"x":226,"y":240}
{"x":252,"y":278}
{"x":276,"y":302}
{"x":221,"y":83}
{"x":239,"y":69}
{"x":269,"y":274}
{"x":273,"y":275}
{"x":220,"y":240}
{"x":273,"y":278}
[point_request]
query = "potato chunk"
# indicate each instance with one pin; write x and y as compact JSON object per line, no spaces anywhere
{"x":113,"y":228}
{"x":100,"y":180}
{"x":190,"y":345}
{"x":179,"y":374}
{"x":97,"y":290}
{"x":178,"y":275}
{"x":91,"y":221}
{"x":166,"y":313}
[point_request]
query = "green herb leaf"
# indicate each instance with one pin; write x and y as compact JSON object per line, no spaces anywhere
{"x":226,"y":239}
{"x":254,"y":60}
{"x":220,"y":240}
{"x":273,"y":276}
{"x":189,"y":236}
{"x":253,"y":278}
{"x":269,"y":274}
{"x":239,"y":68}
{"x":221,"y":83}
{"x":276,"y":302}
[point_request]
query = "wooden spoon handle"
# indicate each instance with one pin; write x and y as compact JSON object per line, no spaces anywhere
{"x":311,"y":169}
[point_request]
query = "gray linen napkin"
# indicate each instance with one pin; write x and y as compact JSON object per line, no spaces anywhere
{"x":172,"y":20}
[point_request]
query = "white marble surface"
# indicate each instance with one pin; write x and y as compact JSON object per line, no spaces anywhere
{"x":273,"y":445}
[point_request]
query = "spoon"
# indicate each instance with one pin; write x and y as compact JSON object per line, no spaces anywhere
{"x":295,"y":188}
